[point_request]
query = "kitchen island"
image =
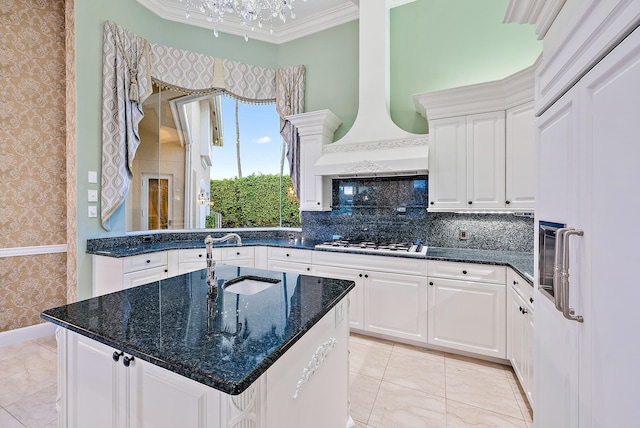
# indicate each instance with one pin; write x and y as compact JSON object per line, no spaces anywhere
{"x":166,"y":354}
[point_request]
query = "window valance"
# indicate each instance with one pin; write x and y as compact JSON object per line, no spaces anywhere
{"x":130,"y":66}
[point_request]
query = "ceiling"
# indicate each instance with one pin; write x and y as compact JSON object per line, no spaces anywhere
{"x":311,"y":16}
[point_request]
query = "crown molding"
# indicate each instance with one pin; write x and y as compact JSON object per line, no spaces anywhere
{"x":173,"y":10}
{"x":484,"y":97}
{"x":540,"y":13}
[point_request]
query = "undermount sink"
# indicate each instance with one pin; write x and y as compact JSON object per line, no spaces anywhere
{"x":249,"y":284}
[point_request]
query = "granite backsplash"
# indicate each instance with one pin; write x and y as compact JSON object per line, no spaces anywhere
{"x":484,"y":231}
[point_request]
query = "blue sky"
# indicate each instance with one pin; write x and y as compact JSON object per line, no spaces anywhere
{"x":260,"y":141}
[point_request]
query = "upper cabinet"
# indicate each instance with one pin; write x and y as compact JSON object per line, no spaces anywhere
{"x":481,"y":145}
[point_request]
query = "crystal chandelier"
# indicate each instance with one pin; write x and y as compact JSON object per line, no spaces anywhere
{"x":250,"y":12}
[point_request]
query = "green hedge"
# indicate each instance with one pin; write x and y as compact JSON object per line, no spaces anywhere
{"x":254,"y":201}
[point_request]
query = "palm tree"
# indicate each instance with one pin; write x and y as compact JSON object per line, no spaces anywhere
{"x":238,"y":142}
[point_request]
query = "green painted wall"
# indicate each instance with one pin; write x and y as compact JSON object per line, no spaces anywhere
{"x":440,"y":44}
{"x":435,"y":44}
{"x":89,"y":21}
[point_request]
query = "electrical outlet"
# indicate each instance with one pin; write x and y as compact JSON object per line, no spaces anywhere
{"x":93,"y":211}
{"x":464,"y":235}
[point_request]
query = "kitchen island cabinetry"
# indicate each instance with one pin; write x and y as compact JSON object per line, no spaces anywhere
{"x":171,"y":354}
{"x":520,"y":331}
{"x":100,"y":391}
{"x":467,"y":307}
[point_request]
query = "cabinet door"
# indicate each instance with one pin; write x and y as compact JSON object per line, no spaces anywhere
{"x":146,"y":276}
{"x":520,"y":158}
{"x":159,"y":398}
{"x":447,"y":163}
{"x":485,"y":161}
{"x":95,"y":385}
{"x":396,"y":305}
{"x":356,"y":297}
{"x":469,"y":316}
{"x":516,"y":340}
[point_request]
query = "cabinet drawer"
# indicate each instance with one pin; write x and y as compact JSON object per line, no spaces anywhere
{"x":193,"y":255}
{"x":521,"y":286}
{"x":144,"y":261}
{"x":146,"y":276}
{"x":468,"y":272}
{"x":290,"y":255}
{"x":233,"y":253}
{"x":284,"y":266}
{"x":389,"y":264}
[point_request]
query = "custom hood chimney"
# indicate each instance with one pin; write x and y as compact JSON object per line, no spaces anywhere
{"x":374,"y":145}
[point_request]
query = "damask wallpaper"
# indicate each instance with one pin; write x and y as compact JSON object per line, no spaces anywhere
{"x":33,"y":173}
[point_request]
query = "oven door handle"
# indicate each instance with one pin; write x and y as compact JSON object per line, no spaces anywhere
{"x":568,"y":313}
{"x":558,"y":268}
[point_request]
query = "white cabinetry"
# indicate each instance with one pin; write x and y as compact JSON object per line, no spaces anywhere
{"x":116,"y":273}
{"x":99,"y":391}
{"x":96,"y":388}
{"x":520,"y":158}
{"x":520,"y":331}
{"x":481,"y":143}
{"x":289,"y":260}
{"x":390,"y":292}
{"x":315,"y":130}
{"x":467,"y":307}
{"x":466,"y":162}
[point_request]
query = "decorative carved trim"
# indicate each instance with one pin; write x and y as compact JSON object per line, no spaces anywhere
{"x":366,"y":166}
{"x":244,"y":408}
{"x":32,"y":251}
{"x":314,"y":364}
{"x":377,"y":145}
{"x":540,"y":13}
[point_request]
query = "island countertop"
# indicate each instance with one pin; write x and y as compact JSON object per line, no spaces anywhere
{"x":226,"y":342}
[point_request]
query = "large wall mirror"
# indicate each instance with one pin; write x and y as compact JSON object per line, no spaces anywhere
{"x":171,"y":169}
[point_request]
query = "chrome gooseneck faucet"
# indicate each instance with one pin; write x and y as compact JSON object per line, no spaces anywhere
{"x":211,"y":263}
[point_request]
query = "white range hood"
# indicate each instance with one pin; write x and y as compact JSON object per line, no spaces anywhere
{"x":374,"y":146}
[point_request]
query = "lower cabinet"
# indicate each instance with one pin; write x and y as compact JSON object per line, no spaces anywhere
{"x":468,"y":315}
{"x":106,"y":388}
{"x":396,"y":305}
{"x":386,"y":300}
{"x":289,"y":260}
{"x":520,"y":332}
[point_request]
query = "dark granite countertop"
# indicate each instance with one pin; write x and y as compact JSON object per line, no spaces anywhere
{"x":522,"y":262}
{"x":166,"y":323}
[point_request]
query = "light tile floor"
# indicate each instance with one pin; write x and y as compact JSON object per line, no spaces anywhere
{"x":391,"y":386}
{"x":396,"y":386}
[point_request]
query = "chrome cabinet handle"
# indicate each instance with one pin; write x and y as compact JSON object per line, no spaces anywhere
{"x":566,"y":310}
{"x":558,"y":267}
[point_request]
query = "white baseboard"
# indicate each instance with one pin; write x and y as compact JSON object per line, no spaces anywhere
{"x":26,"y":333}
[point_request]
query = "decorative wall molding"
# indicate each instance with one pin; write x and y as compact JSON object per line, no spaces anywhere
{"x":173,"y":10}
{"x":32,"y":251}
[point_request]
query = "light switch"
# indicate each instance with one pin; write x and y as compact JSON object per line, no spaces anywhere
{"x":92,"y":195}
{"x":93,"y":176}
{"x":93,"y":211}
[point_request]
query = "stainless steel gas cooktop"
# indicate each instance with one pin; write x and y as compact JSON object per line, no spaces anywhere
{"x":400,"y":248}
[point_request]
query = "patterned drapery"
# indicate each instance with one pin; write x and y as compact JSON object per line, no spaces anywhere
{"x":130,"y":63}
{"x":126,"y":83}
{"x":290,"y":101}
